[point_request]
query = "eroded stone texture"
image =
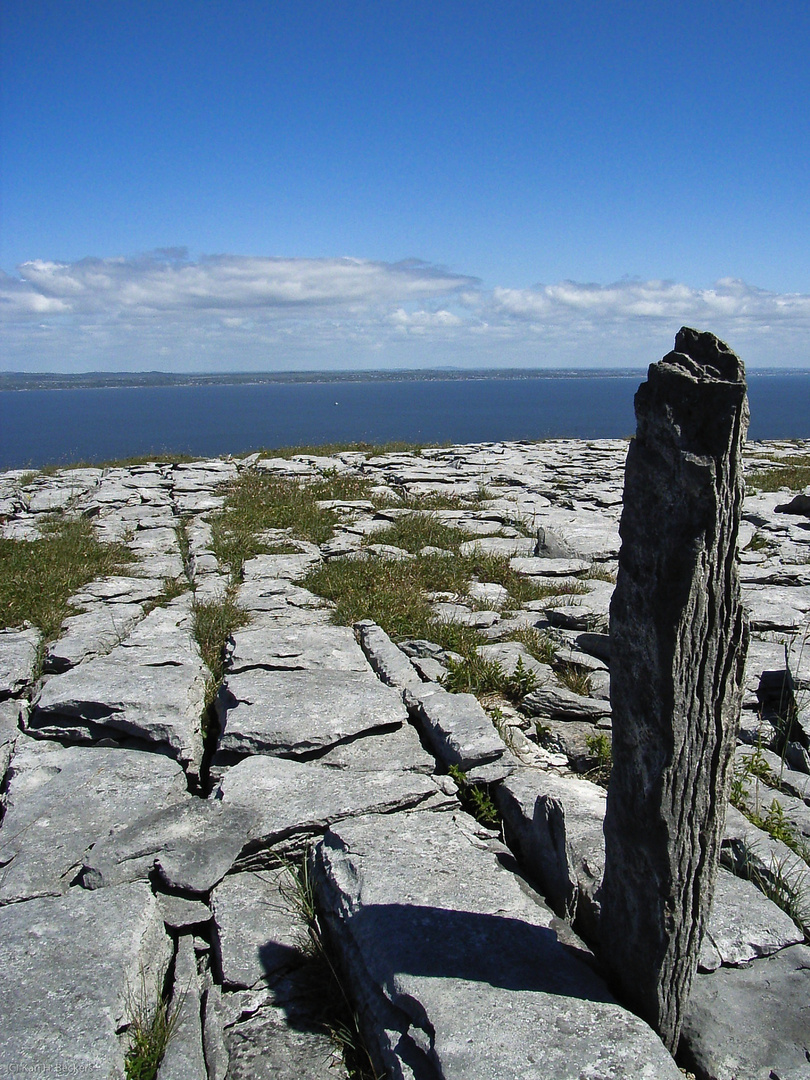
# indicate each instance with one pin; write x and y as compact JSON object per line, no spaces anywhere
{"x":677,"y":642}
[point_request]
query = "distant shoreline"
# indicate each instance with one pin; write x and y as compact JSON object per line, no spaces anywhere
{"x":98,"y":380}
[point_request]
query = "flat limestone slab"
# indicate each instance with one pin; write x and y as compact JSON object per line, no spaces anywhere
{"x":292,"y":800}
{"x":297,"y":712}
{"x":456,"y":727}
{"x":62,"y":800}
{"x":457,"y":966}
{"x":70,"y":964}
{"x":273,"y":645}
{"x":752,"y":1022}
{"x":91,"y":633}
{"x":151,"y":687}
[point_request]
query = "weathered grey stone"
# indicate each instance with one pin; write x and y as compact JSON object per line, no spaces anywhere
{"x":268,"y":1047}
{"x":531,"y":566}
{"x":499,"y":545}
{"x":272,"y":645}
{"x":437,"y":938}
{"x":184,"y":1059}
{"x":258,"y":933}
{"x":389,"y":663}
{"x":18,"y":655}
{"x":289,"y":567}
{"x":72,"y":965}
{"x":559,"y":703}
{"x":62,"y":800}
{"x":91,"y":633}
{"x":456,"y":727}
{"x":300,"y":712}
{"x":743,"y":925}
{"x":389,"y":750}
{"x":511,"y":653}
{"x":460,"y":613}
{"x":678,"y":651}
{"x":750,"y":1022}
{"x":554,"y":825}
{"x":179,"y":913}
{"x":9,"y":730}
{"x":120,"y":589}
{"x":290,"y":801}
{"x":150,"y":688}
{"x":579,"y":616}
{"x":193,"y":843}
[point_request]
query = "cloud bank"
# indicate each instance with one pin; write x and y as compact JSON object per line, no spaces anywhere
{"x":225,"y":312}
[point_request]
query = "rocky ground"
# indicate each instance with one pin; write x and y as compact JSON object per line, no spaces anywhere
{"x":147,"y":846}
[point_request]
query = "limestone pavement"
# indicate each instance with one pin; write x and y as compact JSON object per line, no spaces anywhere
{"x":145,"y":842}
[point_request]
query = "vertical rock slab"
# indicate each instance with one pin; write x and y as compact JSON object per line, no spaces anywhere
{"x":678,"y":641}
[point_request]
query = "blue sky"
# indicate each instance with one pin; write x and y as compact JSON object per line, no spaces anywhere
{"x":343,"y":184}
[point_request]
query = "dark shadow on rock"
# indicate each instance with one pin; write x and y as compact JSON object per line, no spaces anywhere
{"x":495,"y":949}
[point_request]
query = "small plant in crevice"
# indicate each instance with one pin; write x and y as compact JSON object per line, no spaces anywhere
{"x":152,"y":1023}
{"x":538,"y":644}
{"x":475,"y":799}
{"x":214,"y":622}
{"x":329,"y":999}
{"x":598,"y":745}
{"x":172,"y":588}
{"x":784,"y":881}
{"x":574,"y":678}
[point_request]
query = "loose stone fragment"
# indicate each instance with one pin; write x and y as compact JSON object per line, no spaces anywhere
{"x":677,"y":647}
{"x":456,"y":727}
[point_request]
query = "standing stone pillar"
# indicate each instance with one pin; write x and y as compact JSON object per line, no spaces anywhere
{"x":678,"y":643}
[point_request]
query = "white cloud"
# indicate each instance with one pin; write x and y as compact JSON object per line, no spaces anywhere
{"x":228,"y":312}
{"x":225,"y":283}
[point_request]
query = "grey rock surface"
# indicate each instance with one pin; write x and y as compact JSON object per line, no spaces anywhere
{"x":258,"y":933}
{"x":435,"y":934}
{"x":301,"y":712}
{"x":60,"y":801}
{"x":750,"y":1022}
{"x":18,"y":654}
{"x":554,"y":825}
{"x":72,"y":967}
{"x":290,"y":801}
{"x":184,"y":1058}
{"x":678,"y":641}
{"x":151,"y":688}
{"x":390,"y":664}
{"x":455,"y":727}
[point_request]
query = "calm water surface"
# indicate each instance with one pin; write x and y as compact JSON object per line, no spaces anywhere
{"x":40,"y":427}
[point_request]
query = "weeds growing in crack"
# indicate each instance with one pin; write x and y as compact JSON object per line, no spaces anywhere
{"x":475,"y":799}
{"x":539,"y":645}
{"x":574,"y":678}
{"x":152,"y":1023}
{"x":214,"y":622}
{"x":476,"y":675}
{"x":598,"y":744}
{"x":784,"y":881}
{"x":334,"y":1007}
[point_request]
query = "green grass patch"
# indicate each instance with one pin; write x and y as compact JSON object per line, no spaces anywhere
{"x":574,"y":678}
{"x":38,"y":576}
{"x":476,"y":675}
{"x":392,"y":593}
{"x":539,"y":645}
{"x":214,"y":622}
{"x":332,"y":449}
{"x":256,"y":501}
{"x":791,"y":472}
{"x":412,"y":532}
{"x":152,"y":1024}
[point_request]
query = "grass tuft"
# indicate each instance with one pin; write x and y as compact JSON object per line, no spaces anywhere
{"x":791,"y":472}
{"x":151,"y":1026}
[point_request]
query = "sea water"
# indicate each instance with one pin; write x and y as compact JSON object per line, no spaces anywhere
{"x":41,"y":427}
